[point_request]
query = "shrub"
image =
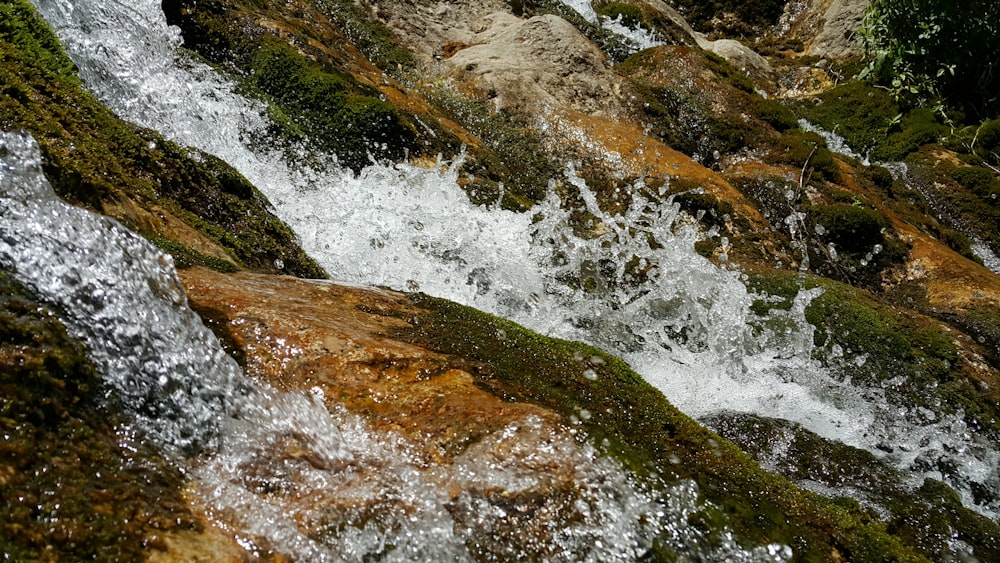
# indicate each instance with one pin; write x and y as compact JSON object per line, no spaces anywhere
{"x":923,"y":49}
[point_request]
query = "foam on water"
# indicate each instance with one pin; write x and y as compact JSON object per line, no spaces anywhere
{"x":634,"y":285}
{"x":318,"y":484}
{"x":639,"y":37}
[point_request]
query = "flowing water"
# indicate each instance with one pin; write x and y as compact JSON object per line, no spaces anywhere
{"x":638,"y":37}
{"x":316,"y":483}
{"x":684,"y":324}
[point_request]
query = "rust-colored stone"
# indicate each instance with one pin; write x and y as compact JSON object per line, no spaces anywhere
{"x":297,"y":334}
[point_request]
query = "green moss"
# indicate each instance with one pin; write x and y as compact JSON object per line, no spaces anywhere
{"x":964,"y":195}
{"x":725,"y":70}
{"x":72,"y":490}
{"x":807,"y":150}
{"x":185,"y":257}
{"x":988,"y":141}
{"x":892,"y":343}
{"x":311,"y":100}
{"x":331,"y":108}
{"x":928,"y":518}
{"x":33,"y":39}
{"x":872,"y":122}
{"x":373,"y":39}
{"x":96,"y":160}
{"x":852,"y":228}
{"x":648,"y":435}
{"x":514,"y":154}
{"x":776,"y":114}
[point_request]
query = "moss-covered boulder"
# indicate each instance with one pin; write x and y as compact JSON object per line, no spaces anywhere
{"x":929,"y":516}
{"x":193,"y":204}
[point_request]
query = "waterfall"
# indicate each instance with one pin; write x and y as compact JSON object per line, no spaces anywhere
{"x":685,"y":324}
{"x":317,"y":483}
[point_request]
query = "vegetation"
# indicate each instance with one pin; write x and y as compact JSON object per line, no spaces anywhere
{"x":366,"y":33}
{"x":873,"y":122}
{"x":924,"y":50}
{"x":331,"y":109}
{"x":891,"y":342}
{"x":650,"y":437}
{"x":513,"y":153}
{"x":929,"y":517}
{"x":312,"y":101}
{"x":629,"y":15}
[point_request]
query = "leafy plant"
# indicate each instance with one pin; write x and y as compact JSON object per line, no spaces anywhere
{"x":926,"y":50}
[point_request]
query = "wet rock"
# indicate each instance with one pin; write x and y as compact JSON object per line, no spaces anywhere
{"x":928,"y":513}
{"x":533,"y":66}
{"x":75,"y":486}
{"x":306,"y":335}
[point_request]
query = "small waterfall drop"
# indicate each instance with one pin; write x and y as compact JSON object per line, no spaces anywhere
{"x":316,"y":483}
{"x":682,"y":322}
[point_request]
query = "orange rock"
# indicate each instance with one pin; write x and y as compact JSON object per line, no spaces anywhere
{"x":297,"y":334}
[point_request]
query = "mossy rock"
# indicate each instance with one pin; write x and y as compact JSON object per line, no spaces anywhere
{"x":633,"y":422}
{"x":513,"y":154}
{"x":930,"y":517}
{"x":679,"y":93}
{"x":96,"y":160}
{"x":808,"y":151}
{"x":892,"y":342}
{"x":966,"y":196}
{"x":331,"y":109}
{"x":988,"y":141}
{"x":312,"y":99}
{"x":872,"y":122}
{"x":776,"y":114}
{"x":73,"y":489}
{"x":853,"y":228}
{"x":369,"y":35}
{"x":629,"y":15}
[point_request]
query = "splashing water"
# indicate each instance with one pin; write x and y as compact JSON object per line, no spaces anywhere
{"x":683,"y":323}
{"x":176,"y":380}
{"x":638,"y":37}
{"x":318,"y":484}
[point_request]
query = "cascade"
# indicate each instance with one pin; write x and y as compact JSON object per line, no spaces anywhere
{"x":639,"y":38}
{"x":684,"y":324}
{"x":317,"y":483}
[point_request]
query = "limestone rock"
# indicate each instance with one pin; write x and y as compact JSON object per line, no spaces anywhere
{"x":838,"y":38}
{"x":536,"y":65}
